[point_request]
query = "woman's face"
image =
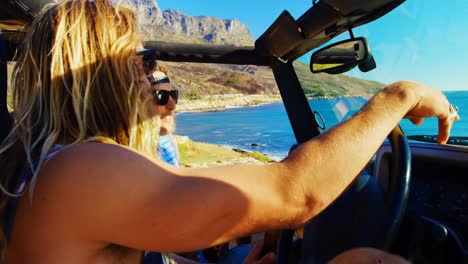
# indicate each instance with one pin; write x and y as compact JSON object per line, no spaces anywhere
{"x":166,"y":111}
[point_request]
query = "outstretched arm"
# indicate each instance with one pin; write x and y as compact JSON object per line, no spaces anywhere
{"x":163,"y":208}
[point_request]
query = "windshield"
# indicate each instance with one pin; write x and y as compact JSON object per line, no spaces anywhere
{"x":413,"y":42}
{"x":331,"y":111}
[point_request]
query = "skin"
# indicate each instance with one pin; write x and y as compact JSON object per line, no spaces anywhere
{"x":367,"y":256}
{"x":99,"y":203}
{"x":166,"y":112}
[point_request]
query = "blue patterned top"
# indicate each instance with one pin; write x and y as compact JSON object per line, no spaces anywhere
{"x":168,"y":150}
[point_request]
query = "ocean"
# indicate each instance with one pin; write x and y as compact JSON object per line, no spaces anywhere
{"x":265,"y":128}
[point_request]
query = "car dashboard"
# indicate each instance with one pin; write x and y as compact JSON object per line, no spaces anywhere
{"x":435,"y":225}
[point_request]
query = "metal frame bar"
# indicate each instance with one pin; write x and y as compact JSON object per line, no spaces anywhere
{"x":297,"y":107}
{"x":186,"y":52}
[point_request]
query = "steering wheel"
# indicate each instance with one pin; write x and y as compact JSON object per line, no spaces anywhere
{"x":363,"y":216}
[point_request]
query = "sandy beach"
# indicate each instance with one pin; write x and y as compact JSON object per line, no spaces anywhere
{"x":199,"y":154}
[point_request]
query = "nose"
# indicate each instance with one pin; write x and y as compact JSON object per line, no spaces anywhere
{"x":171,"y":105}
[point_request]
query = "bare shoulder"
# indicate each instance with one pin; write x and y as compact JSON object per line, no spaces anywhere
{"x":96,"y":182}
{"x":95,"y":163}
{"x":74,"y":199}
{"x":98,"y":154}
{"x":112,"y":195}
{"x":100,"y":171}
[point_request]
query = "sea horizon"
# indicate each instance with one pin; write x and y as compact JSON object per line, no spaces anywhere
{"x":265,"y":128}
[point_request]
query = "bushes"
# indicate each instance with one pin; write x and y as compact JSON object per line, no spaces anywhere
{"x":232,"y":81}
{"x":260,"y":157}
{"x":192,"y":96}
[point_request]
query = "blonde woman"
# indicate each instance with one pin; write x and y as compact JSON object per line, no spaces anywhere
{"x":166,"y":97}
{"x":80,"y":180}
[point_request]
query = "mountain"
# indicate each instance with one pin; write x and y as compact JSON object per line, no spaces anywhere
{"x":202,"y":79}
{"x":175,"y":26}
{"x":206,"y":79}
{"x":196,"y":80}
{"x":326,"y":85}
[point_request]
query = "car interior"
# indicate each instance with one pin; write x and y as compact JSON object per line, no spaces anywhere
{"x":410,"y":200}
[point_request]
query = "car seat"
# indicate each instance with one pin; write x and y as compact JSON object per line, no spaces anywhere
{"x":5,"y":117}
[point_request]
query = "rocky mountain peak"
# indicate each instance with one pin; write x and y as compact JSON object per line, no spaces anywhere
{"x":173,"y":25}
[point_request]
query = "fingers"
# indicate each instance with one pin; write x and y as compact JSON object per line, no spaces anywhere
{"x":434,"y":103}
{"x":445,"y":124}
{"x":454,"y":112}
{"x":416,"y":120}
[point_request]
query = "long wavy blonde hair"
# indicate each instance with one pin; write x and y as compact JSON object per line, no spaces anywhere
{"x":75,"y":80}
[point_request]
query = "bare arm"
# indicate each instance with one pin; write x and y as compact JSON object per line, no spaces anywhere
{"x":130,"y":200}
{"x":345,"y":149}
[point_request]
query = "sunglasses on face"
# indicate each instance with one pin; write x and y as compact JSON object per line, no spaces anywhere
{"x":149,"y":60}
{"x":162,"y":96}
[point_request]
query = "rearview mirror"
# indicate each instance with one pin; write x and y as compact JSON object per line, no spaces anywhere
{"x":342,"y":56}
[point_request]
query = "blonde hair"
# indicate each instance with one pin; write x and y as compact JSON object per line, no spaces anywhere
{"x":75,"y":81}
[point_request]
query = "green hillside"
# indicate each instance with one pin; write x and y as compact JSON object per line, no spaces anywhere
{"x":207,"y":79}
{"x":325,"y":85}
{"x":196,"y":80}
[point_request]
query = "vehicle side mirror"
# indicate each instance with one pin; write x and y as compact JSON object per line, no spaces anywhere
{"x":342,"y":56}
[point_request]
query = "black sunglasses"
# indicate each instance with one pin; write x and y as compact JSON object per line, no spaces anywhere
{"x":149,"y":60}
{"x":162,"y":96}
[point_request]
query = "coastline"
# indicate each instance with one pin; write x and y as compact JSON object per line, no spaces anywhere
{"x":223,"y":101}
{"x":195,"y":154}
{"x":200,"y":154}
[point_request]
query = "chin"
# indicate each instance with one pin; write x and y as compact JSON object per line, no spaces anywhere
{"x":166,"y":128}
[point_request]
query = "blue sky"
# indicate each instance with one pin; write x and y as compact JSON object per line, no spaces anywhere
{"x":421,"y":40}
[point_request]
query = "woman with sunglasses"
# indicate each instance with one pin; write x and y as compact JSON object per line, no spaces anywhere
{"x":80,"y":179}
{"x":166,"y":97}
{"x":165,"y":102}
